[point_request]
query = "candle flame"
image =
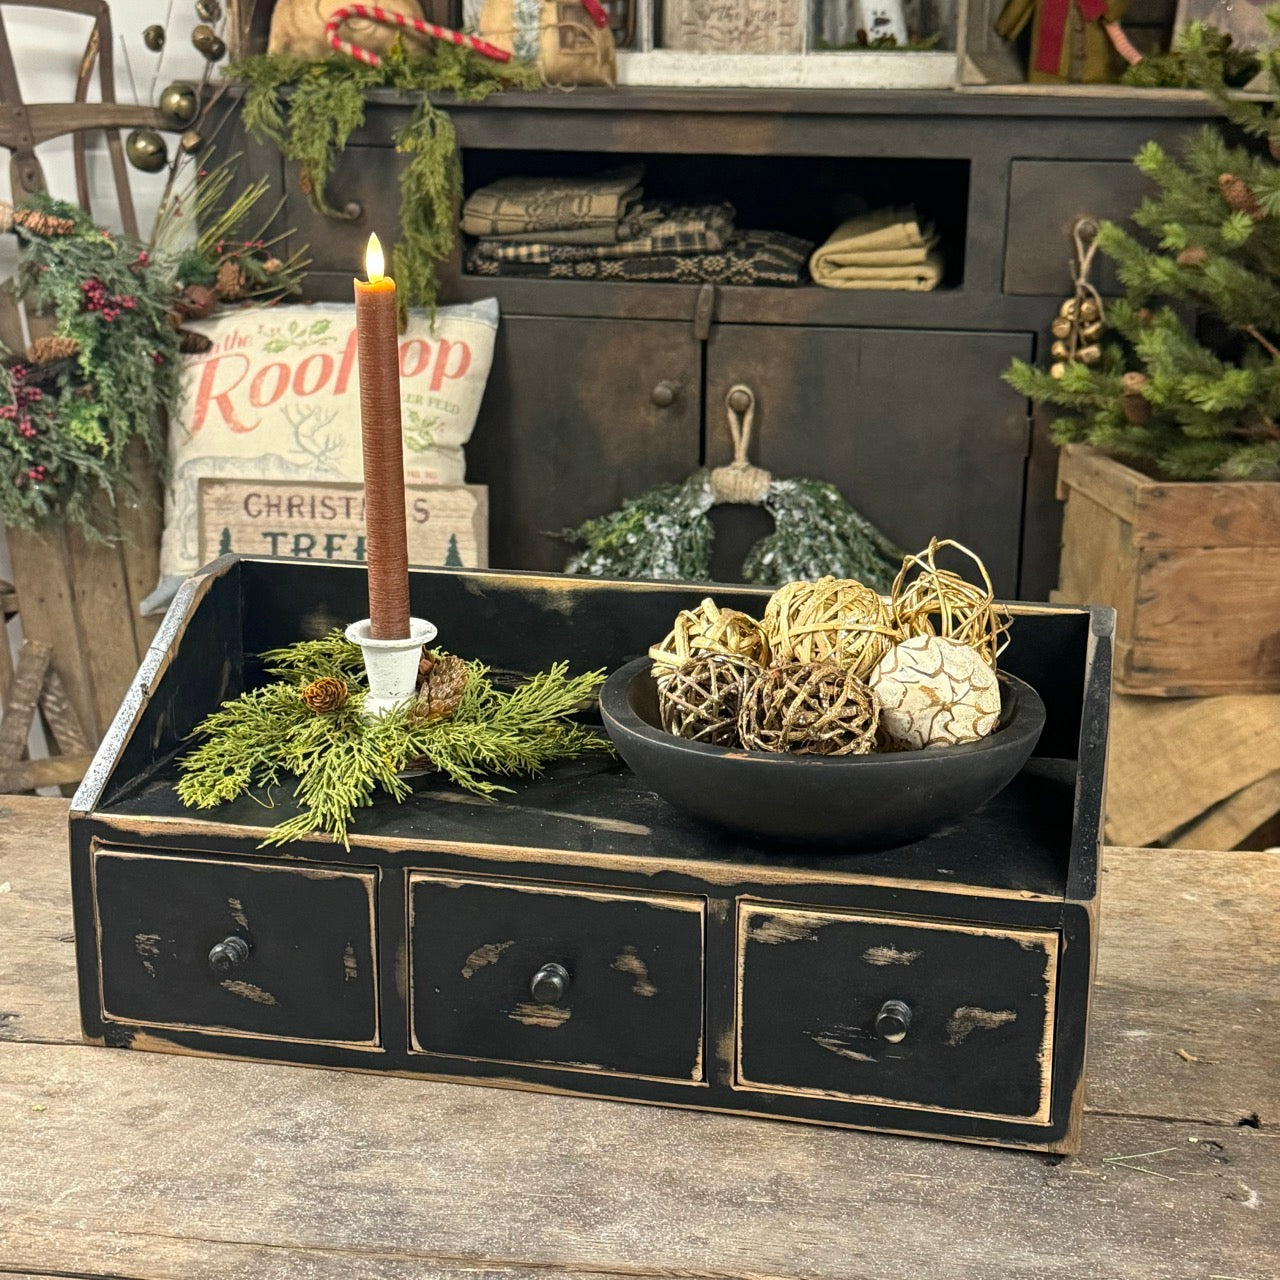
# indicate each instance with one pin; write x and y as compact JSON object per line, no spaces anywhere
{"x":373,"y":260}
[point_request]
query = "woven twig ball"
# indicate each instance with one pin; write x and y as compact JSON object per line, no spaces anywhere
{"x":935,"y":692}
{"x":836,"y":619}
{"x":815,"y":709}
{"x":929,"y":601}
{"x":700,"y":699}
{"x":710,"y":629}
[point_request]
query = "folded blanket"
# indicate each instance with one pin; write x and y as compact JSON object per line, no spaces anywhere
{"x":749,"y":257}
{"x":882,"y":250}
{"x":697,"y":229}
{"x":518,"y":206}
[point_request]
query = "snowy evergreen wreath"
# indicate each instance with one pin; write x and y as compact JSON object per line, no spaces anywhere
{"x":666,"y":532}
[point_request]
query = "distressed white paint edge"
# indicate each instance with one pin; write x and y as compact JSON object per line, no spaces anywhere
{"x":869,"y":69}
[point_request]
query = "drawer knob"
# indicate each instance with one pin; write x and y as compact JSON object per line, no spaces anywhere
{"x":550,"y":984}
{"x":228,"y":953}
{"x":664,"y":394}
{"x":893,"y":1020}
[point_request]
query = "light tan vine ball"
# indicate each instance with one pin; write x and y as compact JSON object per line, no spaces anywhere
{"x":709,"y":629}
{"x":935,"y":692}
{"x":833,"y":619}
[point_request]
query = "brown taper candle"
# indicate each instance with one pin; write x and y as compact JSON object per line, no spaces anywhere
{"x":386,"y":542}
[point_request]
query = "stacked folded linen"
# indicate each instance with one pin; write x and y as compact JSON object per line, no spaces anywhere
{"x":746,"y":258}
{"x":577,"y":211}
{"x":886,"y":249}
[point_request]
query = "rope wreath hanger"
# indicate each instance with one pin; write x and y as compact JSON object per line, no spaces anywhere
{"x":666,"y":533}
{"x":385,"y":18}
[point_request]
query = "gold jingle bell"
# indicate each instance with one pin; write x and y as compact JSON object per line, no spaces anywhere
{"x":208,"y":10}
{"x":1061,"y":327}
{"x":190,"y":142}
{"x":179,"y":103}
{"x":1060,"y":351}
{"x":146,"y":150}
{"x":208,"y":42}
{"x":1058,"y":370}
{"x":1068,"y":309}
{"x":1092,"y":332}
{"x":1089,"y":355}
{"x":1088,"y":311}
{"x":153,"y":37}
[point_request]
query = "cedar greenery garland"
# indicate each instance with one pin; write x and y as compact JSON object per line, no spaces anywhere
{"x":73,"y":410}
{"x":301,"y":726}
{"x":310,"y":109}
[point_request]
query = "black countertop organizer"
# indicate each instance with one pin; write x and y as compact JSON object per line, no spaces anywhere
{"x":579,"y":935}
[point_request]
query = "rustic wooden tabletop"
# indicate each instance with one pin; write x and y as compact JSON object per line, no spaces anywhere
{"x":146,"y":1165}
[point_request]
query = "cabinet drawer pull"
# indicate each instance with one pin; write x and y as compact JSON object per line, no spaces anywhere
{"x":550,"y":984}
{"x":893,"y":1021}
{"x":228,"y":953}
{"x":664,"y":394}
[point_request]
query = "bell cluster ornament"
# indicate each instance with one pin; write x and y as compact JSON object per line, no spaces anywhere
{"x":153,"y":37}
{"x":179,"y":104}
{"x":1079,"y":325}
{"x":208,"y":42}
{"x":146,"y":150}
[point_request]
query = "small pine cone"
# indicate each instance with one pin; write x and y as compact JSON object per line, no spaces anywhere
{"x":191,"y":343}
{"x":1236,"y":192}
{"x":442,"y":680}
{"x":47,"y":350}
{"x":230,"y":284}
{"x":42,"y":224}
{"x":1193,"y":256}
{"x":329,"y":693}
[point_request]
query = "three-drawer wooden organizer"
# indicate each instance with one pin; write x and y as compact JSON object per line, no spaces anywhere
{"x":579,"y":935}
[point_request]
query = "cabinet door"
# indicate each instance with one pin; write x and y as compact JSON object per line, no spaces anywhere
{"x":915,"y":428}
{"x":580,"y":414}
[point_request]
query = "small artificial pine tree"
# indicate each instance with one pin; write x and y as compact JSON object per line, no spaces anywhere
{"x":453,"y":558}
{"x":1193,"y":390}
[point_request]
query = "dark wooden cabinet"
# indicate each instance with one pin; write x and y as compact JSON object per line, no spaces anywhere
{"x":614,"y":407}
{"x":895,"y":397}
{"x":914,"y":427}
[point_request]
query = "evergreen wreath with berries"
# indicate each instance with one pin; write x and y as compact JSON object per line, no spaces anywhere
{"x":77,"y":404}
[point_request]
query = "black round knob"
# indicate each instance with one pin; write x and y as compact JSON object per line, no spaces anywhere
{"x":664,"y":394}
{"x":228,"y":953}
{"x":739,"y":400}
{"x":550,"y":984}
{"x":352,"y":210}
{"x":893,"y":1020}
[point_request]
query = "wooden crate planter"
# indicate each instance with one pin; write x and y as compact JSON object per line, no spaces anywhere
{"x":1192,"y":570}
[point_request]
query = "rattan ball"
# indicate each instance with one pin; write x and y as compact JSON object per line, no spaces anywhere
{"x":814,"y":709}
{"x":710,"y":629}
{"x":836,"y":619}
{"x":940,"y":602}
{"x":700,"y":700}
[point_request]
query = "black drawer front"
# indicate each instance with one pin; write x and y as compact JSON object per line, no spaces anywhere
{"x":812,"y":986}
{"x":632,"y":966}
{"x":306,"y":971}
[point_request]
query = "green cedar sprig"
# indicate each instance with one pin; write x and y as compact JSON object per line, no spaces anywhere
{"x":310,"y":110}
{"x":340,"y":760}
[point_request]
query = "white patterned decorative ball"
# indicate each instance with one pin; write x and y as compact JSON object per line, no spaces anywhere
{"x":935,"y":692}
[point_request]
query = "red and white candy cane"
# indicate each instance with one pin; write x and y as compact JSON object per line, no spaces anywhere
{"x":373,"y":14}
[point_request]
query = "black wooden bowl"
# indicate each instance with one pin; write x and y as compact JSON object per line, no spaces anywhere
{"x":860,"y":802}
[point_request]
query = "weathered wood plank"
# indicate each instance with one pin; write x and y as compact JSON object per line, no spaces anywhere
{"x":60,"y":715}
{"x":160,"y":1149}
{"x":52,"y":771}
{"x":23,"y":695}
{"x":1214,"y":993}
